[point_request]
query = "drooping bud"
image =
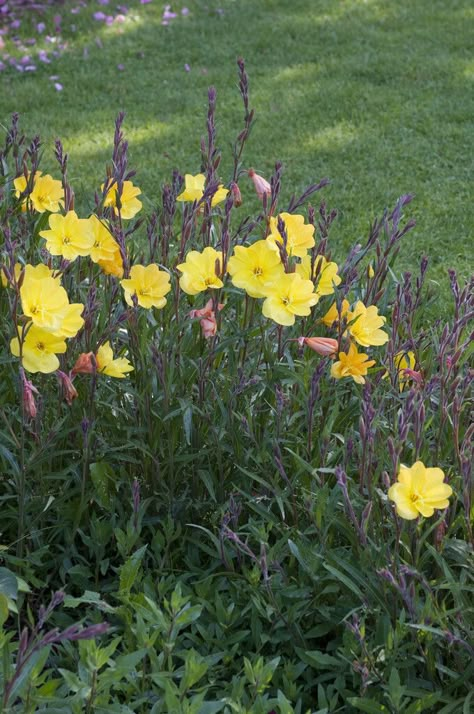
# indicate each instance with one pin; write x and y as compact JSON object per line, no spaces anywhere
{"x":236,"y":195}
{"x":29,"y":390}
{"x":324,"y":346}
{"x":85,"y":364}
{"x":69,"y":390}
{"x":262,"y":187}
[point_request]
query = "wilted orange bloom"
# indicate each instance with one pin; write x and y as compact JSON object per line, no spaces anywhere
{"x":236,"y":195}
{"x":69,"y":390}
{"x":207,"y":318}
{"x":324,"y":346}
{"x":85,"y":364}
{"x":29,"y":390}
{"x":262,"y":187}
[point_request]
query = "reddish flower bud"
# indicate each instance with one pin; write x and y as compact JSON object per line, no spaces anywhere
{"x":69,"y":390}
{"x":29,"y":403}
{"x":262,"y":187}
{"x":324,"y":346}
{"x":236,"y":195}
{"x":85,"y":364}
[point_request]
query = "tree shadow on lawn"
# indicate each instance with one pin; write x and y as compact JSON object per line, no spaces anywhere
{"x":364,"y":93}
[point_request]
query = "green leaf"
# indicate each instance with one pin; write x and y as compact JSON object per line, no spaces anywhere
{"x":105,"y":484}
{"x":317,"y":659}
{"x":8,"y":583}
{"x":4,"y":611}
{"x":367,"y":705}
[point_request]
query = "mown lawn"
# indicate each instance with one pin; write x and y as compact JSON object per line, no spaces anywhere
{"x":375,"y":95}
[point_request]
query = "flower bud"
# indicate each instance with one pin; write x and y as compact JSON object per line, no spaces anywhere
{"x":29,"y":403}
{"x":262,"y":187}
{"x":85,"y":364}
{"x":69,"y":390}
{"x":236,"y":195}
{"x":324,"y":346}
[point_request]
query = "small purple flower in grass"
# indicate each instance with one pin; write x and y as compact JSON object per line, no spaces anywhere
{"x":15,"y":24}
{"x":43,"y":57}
{"x":109,"y":20}
{"x":75,"y":10}
{"x":187,"y":68}
{"x":185,"y":11}
{"x":103,"y":2}
{"x":40,"y":27}
{"x":119,"y":19}
{"x":168,"y":14}
{"x":120,"y":67}
{"x":2,"y":66}
{"x":144,"y":2}
{"x":58,"y":86}
{"x":99,"y":16}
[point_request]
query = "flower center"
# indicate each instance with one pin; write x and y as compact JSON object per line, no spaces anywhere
{"x":66,"y":240}
{"x":40,"y":346}
{"x":257,"y":272}
{"x":414,"y":497}
{"x":144,"y":291}
{"x":285,"y":301}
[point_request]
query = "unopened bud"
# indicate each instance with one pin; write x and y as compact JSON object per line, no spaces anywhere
{"x":262,"y":187}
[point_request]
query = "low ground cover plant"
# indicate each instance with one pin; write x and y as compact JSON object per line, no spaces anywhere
{"x":236,"y":464}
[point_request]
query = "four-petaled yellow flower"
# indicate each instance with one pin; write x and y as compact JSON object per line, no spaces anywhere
{"x":419,"y":490}
{"x":71,"y":320}
{"x":149,"y":284}
{"x":200,"y":271}
{"x":352,"y":364}
{"x":44,"y":301}
{"x":332,"y":316}
{"x":324,"y":274}
{"x":20,"y":183}
{"x":110,"y":366}
{"x":129,"y":203}
{"x":40,"y":348}
{"x":104,"y":247}
{"x":288,"y":297}
{"x":113,"y":266}
{"x":47,"y":194}
{"x":194,"y":190}
{"x":255,"y":268}
{"x":364,"y":325}
{"x":299,"y":234}
{"x":68,"y":236}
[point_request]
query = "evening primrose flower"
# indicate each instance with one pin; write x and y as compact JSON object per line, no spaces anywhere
{"x":47,"y":194}
{"x":288,"y":297}
{"x":300,"y":235}
{"x":148,"y":284}
{"x":194,"y":190}
{"x":114,"y":265}
{"x":105,"y":246}
{"x":332,"y":315}
{"x":71,"y":320}
{"x":20,"y":184}
{"x":200,"y":271}
{"x":108,"y":365}
{"x":68,"y":236}
{"x":39,"y":351}
{"x":325,"y":271}
{"x":254,"y":268}
{"x":364,"y":325}
{"x":352,"y":364}
{"x":404,"y":361}
{"x":44,"y":301}
{"x":419,"y":491}
{"x":129,"y":203}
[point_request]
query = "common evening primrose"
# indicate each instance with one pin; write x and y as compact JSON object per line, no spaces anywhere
{"x":129,"y":203}
{"x":288,"y":297}
{"x":364,"y":325}
{"x":39,"y":350}
{"x":419,"y":491}
{"x":148,"y":284}
{"x":194,"y":190}
{"x":352,"y":364}
{"x":200,"y":271}
{"x":255,"y":268}
{"x":68,"y":236}
{"x":47,"y":194}
{"x":299,"y":234}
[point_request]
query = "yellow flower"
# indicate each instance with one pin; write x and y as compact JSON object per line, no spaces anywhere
{"x":288,"y":297}
{"x":47,"y":194}
{"x":332,"y":315}
{"x":40,"y":271}
{"x":68,"y":236}
{"x":44,"y":301}
{"x":71,"y":320}
{"x":129,"y":203}
{"x":255,"y":268}
{"x":114,"y":266}
{"x":40,"y":348}
{"x":403,"y":361}
{"x":6,"y":283}
{"x":105,"y":246}
{"x":20,"y":184}
{"x":300,"y":235}
{"x":149,"y":284}
{"x":110,"y":366}
{"x":326,"y":274}
{"x":194,"y":190}
{"x":352,"y":364}
{"x":419,"y":490}
{"x":364,"y":325}
{"x":200,"y":271}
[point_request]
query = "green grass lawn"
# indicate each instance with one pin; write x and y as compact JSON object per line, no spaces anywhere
{"x":377,"y":96}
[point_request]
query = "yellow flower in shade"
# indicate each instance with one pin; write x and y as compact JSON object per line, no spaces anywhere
{"x":326,"y":274}
{"x":419,"y":491}
{"x":300,"y":235}
{"x":40,"y":271}
{"x":47,"y":194}
{"x":288,"y":297}
{"x":364,"y":325}
{"x":200,"y":271}
{"x":255,"y":268}
{"x":20,"y":183}
{"x":114,"y":266}
{"x":6,"y":283}
{"x":40,"y":348}
{"x":68,"y":236}
{"x":129,"y":203}
{"x":352,"y":364}
{"x":194,"y":190}
{"x":44,"y":301}
{"x":403,"y":361}
{"x":105,"y":246}
{"x":332,"y":316}
{"x":149,"y":284}
{"x":110,"y":366}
